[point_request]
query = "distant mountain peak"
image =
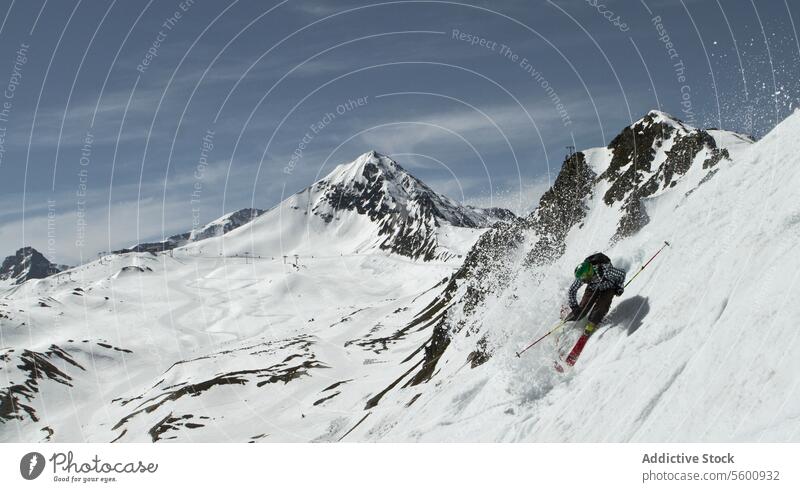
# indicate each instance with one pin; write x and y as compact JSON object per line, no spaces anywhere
{"x":225,"y":224}
{"x":370,"y":205}
{"x":405,"y":209}
{"x":217,"y":227}
{"x":363,"y":168}
{"x":657,"y":116}
{"x":375,"y":185}
{"x":27,"y":263}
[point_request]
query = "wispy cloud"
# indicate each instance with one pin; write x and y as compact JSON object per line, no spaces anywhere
{"x":500,"y":125}
{"x":501,"y":122}
{"x":321,"y":9}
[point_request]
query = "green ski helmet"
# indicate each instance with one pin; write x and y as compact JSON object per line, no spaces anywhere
{"x":584,"y":271}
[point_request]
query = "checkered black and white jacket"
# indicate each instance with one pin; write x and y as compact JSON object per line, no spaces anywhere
{"x":605,"y":277}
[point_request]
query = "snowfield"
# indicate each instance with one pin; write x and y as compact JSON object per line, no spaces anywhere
{"x":308,"y":323}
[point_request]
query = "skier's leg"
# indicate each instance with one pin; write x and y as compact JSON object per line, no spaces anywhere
{"x":585,"y":306}
{"x":600,"y":307}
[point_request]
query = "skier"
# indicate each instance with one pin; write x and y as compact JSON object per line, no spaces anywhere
{"x":603,"y":281}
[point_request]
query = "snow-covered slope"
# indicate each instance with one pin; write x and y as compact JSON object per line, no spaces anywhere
{"x":138,"y":347}
{"x":371,"y":204}
{"x":347,"y":342}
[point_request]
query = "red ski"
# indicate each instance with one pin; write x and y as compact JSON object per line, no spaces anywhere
{"x":572,"y":358}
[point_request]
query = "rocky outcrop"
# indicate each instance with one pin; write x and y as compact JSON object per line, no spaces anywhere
{"x":31,"y":369}
{"x":253,"y":367}
{"x":27,"y":263}
{"x":633,"y":151}
{"x":560,"y":208}
{"x":485,"y":270}
{"x":635,"y":174}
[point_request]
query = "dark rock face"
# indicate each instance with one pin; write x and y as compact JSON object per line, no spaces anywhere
{"x":633,"y":151}
{"x":27,"y":263}
{"x":639,"y":180}
{"x":484,"y":270}
{"x":560,"y":208}
{"x":407,"y":211}
{"x":24,"y":372}
{"x":406,"y":232}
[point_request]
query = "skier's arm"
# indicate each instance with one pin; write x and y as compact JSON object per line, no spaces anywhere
{"x":612,"y":278}
{"x":573,"y":294}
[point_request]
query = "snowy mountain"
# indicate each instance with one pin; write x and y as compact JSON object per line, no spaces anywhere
{"x":27,"y":263}
{"x":370,"y":204}
{"x":355,"y":341}
{"x":167,"y":244}
{"x":225,"y":224}
{"x":218,"y":227}
{"x":376,"y":186}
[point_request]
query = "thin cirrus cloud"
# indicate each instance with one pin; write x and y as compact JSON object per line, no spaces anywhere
{"x":489,"y":131}
{"x":511,"y":122}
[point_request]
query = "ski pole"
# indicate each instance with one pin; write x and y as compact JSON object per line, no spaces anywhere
{"x":560,"y":323}
{"x":645,"y":265}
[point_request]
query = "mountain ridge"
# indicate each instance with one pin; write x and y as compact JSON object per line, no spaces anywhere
{"x":371,"y":203}
{"x":216,"y":227}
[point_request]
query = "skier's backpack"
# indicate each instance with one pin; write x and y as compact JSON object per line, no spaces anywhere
{"x":598,"y":259}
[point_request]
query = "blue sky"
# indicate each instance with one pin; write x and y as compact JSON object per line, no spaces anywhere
{"x":112,"y":102}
